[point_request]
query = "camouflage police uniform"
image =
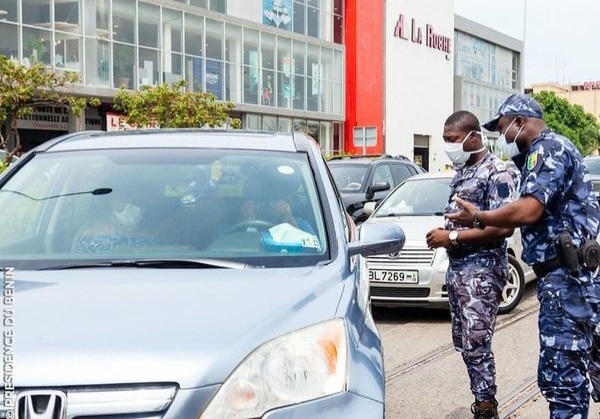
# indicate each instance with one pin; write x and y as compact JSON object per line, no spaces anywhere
{"x":569,"y":321}
{"x":477,"y":274}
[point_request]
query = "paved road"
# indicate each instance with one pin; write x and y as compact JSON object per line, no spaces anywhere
{"x":426,"y":378}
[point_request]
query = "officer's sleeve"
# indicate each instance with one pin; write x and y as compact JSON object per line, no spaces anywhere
{"x":545,"y":169}
{"x":502,"y":188}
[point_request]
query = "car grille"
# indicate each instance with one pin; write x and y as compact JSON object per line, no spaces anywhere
{"x":399,"y":292}
{"x":407,"y":256}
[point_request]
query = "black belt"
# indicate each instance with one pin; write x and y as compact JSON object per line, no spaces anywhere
{"x":542,"y":269}
{"x":467,"y":250}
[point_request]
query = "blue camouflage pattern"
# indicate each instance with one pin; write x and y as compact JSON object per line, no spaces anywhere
{"x":552,"y":171}
{"x":516,"y":104}
{"x":475,"y":281}
{"x":569,"y":324}
{"x":569,"y":320}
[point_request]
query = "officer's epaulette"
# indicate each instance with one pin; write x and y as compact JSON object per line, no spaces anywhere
{"x":500,"y":166}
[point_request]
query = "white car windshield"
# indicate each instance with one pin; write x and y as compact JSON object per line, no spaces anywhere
{"x":428,"y":196}
{"x":260,"y":208}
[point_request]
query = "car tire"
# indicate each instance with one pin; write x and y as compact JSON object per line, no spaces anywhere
{"x":513,"y":291}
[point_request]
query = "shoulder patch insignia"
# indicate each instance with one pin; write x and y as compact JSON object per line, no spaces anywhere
{"x":532,"y":161}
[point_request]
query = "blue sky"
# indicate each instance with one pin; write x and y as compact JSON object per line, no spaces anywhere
{"x":562,"y":36}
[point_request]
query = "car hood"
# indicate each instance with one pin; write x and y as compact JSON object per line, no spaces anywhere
{"x":191,"y":327}
{"x":415,"y":227}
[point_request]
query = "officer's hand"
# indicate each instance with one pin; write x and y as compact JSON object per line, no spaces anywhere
{"x":463,"y":217}
{"x":438,"y":237}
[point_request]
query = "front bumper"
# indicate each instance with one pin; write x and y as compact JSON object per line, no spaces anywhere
{"x":345,"y":405}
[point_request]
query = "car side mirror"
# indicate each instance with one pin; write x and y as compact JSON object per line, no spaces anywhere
{"x":377,"y":239}
{"x":376,"y":187}
{"x":369,"y":207}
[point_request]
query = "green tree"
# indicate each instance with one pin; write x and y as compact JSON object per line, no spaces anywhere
{"x":23,"y":89}
{"x":172,"y":106}
{"x":571,"y":121}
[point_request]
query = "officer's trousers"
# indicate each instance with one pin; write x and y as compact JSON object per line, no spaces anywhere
{"x":474,"y":289}
{"x":569,"y":324}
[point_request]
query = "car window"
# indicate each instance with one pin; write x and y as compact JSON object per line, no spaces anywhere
{"x":417,"y":197}
{"x":383,"y":174}
{"x":593,"y":165}
{"x":258,"y":208}
{"x":401,"y":172}
{"x":349,"y":177}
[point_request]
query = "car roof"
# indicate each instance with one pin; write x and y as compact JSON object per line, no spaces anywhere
{"x":177,"y":138}
{"x":432,"y":175}
{"x":364,"y":160}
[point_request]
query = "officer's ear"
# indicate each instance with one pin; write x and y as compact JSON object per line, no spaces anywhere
{"x":520,"y":121}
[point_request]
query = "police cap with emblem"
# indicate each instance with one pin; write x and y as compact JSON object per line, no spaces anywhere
{"x":517,"y":104}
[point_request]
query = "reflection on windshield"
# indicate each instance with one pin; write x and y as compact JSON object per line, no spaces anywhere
{"x":348,"y":178}
{"x":417,"y":197}
{"x":109,"y":205}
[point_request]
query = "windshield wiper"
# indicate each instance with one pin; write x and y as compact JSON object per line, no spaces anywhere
{"x":156,"y":264}
{"x":97,"y":191}
{"x":411,"y":214}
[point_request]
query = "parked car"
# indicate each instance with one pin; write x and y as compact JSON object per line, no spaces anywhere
{"x":364,"y":179}
{"x":415,"y":276}
{"x":593,"y":165}
{"x":141,"y":292}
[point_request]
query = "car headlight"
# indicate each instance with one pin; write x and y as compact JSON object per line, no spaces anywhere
{"x":297,"y":367}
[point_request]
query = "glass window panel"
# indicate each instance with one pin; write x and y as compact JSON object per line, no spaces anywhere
{"x":8,"y":10}
{"x":67,"y":52}
{"x":123,"y":21}
{"x":214,"y":39}
{"x":316,"y":3}
{"x":148,"y":70}
{"x":36,"y":12}
{"x":313,"y":22}
{"x":214,"y":78}
{"x":194,"y":35}
{"x":338,"y":65}
{"x":233,"y":44}
{"x":251,"y":48}
{"x":252,"y":67}
{"x":267,"y":90}
{"x":284,"y":91}
{"x":199,"y":3}
{"x":172,"y":67}
{"x":338,"y":98}
{"x":194,"y":69}
{"x":313,"y":87}
{"x":36,"y":46}
{"x":326,"y":25}
{"x":284,"y":55}
{"x":338,"y":29}
{"x":172,"y":25}
{"x":251,"y":91}
{"x":299,"y":92}
{"x":67,"y":15}
{"x":300,"y":125}
{"x":8,"y":40}
{"x":338,"y":7}
{"x":327,"y":63}
{"x":327,"y":96}
{"x":268,"y":50}
{"x":148,"y":29}
{"x":299,"y":57}
{"x":253,"y":122}
{"x":326,"y":137}
{"x":233,"y":82}
{"x":97,"y":18}
{"x":312,"y":129}
{"x":218,"y":5}
{"x":269,"y":123}
{"x":284,"y":124}
{"x":299,"y":18}
{"x":97,"y":63}
{"x":124,"y":60}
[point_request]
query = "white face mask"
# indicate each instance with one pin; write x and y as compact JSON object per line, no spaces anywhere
{"x":130,"y":216}
{"x":457,"y":154}
{"x":509,"y":149}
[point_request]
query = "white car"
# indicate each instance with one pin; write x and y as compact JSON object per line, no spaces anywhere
{"x":415,"y":276}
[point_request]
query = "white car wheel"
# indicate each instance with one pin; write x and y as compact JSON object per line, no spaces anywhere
{"x":513,"y":291}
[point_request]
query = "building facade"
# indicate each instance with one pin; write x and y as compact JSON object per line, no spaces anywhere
{"x":487,"y":68}
{"x":280,"y":61}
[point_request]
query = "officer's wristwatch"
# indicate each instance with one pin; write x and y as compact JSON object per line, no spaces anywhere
{"x":453,"y":236}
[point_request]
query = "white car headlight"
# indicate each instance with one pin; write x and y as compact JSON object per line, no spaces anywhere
{"x":297,"y":367}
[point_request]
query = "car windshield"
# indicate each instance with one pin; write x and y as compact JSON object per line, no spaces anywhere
{"x":425,"y":196}
{"x":593,"y":165}
{"x":260,"y":208}
{"x":349,"y":177}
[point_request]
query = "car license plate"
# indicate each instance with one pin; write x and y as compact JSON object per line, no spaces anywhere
{"x":409,"y":277}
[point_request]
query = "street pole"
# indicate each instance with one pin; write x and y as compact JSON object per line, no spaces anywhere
{"x":524,"y":44}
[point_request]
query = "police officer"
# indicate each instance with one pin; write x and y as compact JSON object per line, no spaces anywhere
{"x":559,"y":218}
{"x":478,"y":268}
